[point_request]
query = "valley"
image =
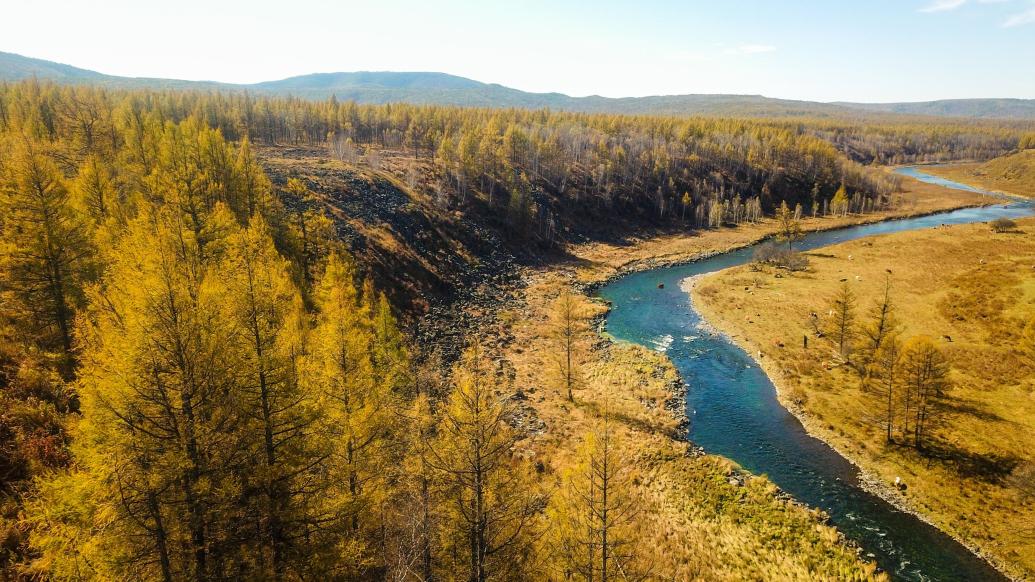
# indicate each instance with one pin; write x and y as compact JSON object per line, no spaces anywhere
{"x":411,"y":326}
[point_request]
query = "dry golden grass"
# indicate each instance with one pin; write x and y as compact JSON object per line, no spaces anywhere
{"x":1013,"y":174}
{"x":963,"y":282}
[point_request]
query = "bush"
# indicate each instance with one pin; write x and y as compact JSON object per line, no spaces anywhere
{"x":1003,"y":225}
{"x":773,"y":254}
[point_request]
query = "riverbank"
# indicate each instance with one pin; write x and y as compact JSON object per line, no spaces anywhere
{"x":1013,"y":175}
{"x":708,"y":518}
{"x":869,"y":480}
{"x":599,"y":263}
{"x":979,"y":507}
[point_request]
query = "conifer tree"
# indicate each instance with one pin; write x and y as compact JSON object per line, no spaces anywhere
{"x":881,"y":323}
{"x":841,"y":325}
{"x":926,"y":372}
{"x":270,"y":321}
{"x":44,"y":251}
{"x":159,"y":447}
{"x":885,"y":377}
{"x":568,"y":329}
{"x":494,"y":508}
{"x":594,"y":516}
{"x":358,"y":411}
{"x":789,"y":224}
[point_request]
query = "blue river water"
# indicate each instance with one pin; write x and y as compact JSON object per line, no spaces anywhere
{"x":734,"y":412}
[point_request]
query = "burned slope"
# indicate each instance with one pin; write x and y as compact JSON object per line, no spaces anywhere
{"x":436,"y":266}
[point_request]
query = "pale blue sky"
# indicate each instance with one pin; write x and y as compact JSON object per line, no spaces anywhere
{"x":872,"y":50}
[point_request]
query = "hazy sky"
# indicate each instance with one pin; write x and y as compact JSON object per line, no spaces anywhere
{"x":861,"y":50}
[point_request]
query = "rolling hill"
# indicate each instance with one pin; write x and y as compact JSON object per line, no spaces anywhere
{"x":445,"y":89}
{"x":1014,"y":173}
{"x":977,"y":108}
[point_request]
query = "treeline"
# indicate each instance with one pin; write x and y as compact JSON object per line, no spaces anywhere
{"x":533,"y":169}
{"x":920,"y":142}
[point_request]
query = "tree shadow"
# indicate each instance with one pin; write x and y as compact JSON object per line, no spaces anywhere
{"x":970,"y":408}
{"x":992,"y":468}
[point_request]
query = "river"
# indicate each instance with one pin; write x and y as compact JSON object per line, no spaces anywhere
{"x":734,"y":411}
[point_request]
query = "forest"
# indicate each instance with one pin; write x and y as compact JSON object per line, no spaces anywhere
{"x":198,"y":382}
{"x":535,"y":169}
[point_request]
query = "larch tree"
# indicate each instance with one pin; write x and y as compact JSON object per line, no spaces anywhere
{"x":159,"y":447}
{"x":886,"y":380}
{"x":839,"y":203}
{"x":44,"y":252}
{"x":390,"y":356}
{"x":789,"y":225}
{"x":357,"y":412}
{"x":880,"y":324}
{"x":925,"y":372}
{"x":568,"y":327}
{"x":271,"y":325}
{"x":494,"y":509}
{"x":593,"y":518}
{"x":841,"y":321}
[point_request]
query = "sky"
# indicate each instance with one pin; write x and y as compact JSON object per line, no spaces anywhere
{"x":850,"y":50}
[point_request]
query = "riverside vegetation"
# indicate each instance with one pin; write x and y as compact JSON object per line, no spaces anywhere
{"x":201,"y":382}
{"x":918,"y":366}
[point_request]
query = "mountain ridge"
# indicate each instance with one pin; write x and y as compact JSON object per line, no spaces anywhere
{"x":436,"y":88}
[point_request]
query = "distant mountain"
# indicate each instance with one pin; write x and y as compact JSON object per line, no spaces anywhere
{"x":980,"y":108}
{"x":16,"y":67}
{"x":445,"y":89}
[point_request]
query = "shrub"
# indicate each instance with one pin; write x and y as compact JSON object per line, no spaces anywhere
{"x":777,"y":255}
{"x":1003,"y":225}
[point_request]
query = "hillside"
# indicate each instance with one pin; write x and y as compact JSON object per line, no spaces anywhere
{"x":443,"y":89}
{"x":1014,"y":173}
{"x":975,"y":108}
